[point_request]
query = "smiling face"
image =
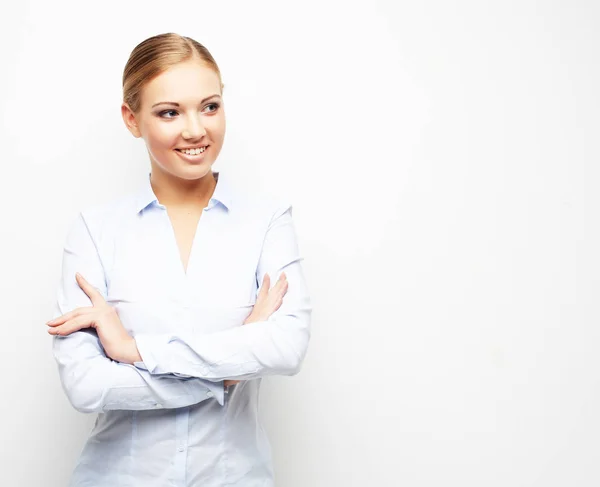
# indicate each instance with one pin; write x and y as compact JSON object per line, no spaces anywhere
{"x":180,"y":108}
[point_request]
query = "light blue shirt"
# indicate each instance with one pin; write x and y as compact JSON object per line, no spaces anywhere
{"x":168,"y":420}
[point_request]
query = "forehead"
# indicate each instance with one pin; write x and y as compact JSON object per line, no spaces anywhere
{"x":184,"y":81}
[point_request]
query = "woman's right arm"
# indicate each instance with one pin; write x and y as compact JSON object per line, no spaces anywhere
{"x":92,"y":381}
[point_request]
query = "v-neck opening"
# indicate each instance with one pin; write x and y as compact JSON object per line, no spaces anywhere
{"x":183,"y":270}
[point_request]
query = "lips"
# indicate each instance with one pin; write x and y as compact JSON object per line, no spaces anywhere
{"x":190,"y":148}
{"x":193,"y":158}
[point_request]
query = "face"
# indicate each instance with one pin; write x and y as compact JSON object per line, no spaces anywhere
{"x":180,"y":108}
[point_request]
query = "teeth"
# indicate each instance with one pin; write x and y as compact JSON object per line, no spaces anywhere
{"x":193,"y":152}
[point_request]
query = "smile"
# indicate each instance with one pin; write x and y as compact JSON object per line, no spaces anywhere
{"x":192,"y":152}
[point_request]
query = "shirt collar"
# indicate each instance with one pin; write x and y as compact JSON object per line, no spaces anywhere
{"x":222,"y":194}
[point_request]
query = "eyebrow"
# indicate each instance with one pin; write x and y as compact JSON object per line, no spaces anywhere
{"x":177,"y":104}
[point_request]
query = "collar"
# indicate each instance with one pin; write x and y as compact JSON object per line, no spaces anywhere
{"x":222,"y":194}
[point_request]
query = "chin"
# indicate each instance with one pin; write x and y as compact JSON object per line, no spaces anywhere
{"x":195,"y":172}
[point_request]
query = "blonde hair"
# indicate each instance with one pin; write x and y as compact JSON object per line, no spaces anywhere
{"x":155,"y":55}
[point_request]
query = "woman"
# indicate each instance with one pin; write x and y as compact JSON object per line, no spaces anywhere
{"x":155,"y":289}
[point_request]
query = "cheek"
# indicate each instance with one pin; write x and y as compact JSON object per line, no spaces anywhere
{"x":162,"y":135}
{"x":217,"y":130}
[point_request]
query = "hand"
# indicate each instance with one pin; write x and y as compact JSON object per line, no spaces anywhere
{"x":267,"y":302}
{"x":117,"y":343}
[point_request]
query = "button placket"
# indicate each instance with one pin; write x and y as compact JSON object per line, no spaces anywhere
{"x":181,"y":308}
{"x":181,"y":420}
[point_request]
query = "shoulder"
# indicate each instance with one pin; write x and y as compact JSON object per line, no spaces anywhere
{"x":104,"y":217}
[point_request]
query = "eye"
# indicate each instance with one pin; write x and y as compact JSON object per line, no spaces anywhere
{"x":166,"y":111}
{"x":216,"y":105}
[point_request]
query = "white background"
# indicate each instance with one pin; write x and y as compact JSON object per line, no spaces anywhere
{"x":442,"y":161}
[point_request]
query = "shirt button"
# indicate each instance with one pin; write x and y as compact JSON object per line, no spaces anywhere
{"x":209,"y":394}
{"x":180,"y":448}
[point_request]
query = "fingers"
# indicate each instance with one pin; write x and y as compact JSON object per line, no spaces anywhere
{"x":278,"y":299}
{"x":281,"y":281}
{"x":70,"y":315}
{"x":283,"y":284}
{"x":71,"y":326}
{"x":95,"y":295}
{"x":268,"y":299}
{"x":278,"y":290}
{"x":266,"y":284}
{"x":264,"y":290}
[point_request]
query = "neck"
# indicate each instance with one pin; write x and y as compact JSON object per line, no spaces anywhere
{"x":173,"y":191}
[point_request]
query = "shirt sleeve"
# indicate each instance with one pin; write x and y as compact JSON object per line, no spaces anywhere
{"x":92,"y":381}
{"x":276,"y":346}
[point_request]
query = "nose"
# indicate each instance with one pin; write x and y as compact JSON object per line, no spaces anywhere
{"x":193,"y":129}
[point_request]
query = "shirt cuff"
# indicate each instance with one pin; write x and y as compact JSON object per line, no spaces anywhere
{"x":145,"y":344}
{"x":219,"y":391}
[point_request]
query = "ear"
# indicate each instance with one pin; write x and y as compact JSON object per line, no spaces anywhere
{"x":130,"y":121}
